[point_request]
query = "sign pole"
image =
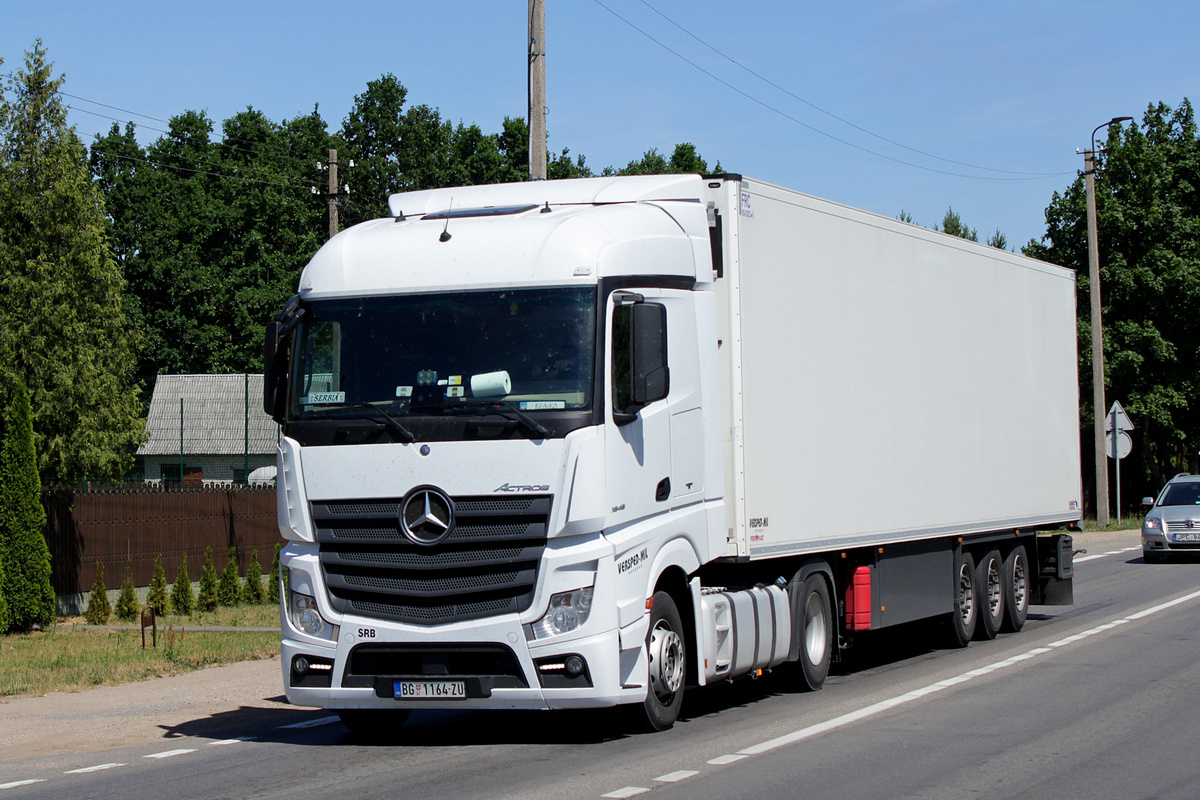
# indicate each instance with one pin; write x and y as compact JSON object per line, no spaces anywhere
{"x":1116,"y":458}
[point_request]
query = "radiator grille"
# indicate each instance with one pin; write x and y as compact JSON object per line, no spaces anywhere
{"x":487,"y":565}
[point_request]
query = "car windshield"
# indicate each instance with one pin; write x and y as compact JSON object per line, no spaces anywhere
{"x":531,"y":349}
{"x":1182,"y":494}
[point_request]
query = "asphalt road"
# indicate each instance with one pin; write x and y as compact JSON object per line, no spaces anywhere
{"x":1096,"y":700}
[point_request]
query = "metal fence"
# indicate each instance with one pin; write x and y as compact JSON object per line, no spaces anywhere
{"x":128,"y":527}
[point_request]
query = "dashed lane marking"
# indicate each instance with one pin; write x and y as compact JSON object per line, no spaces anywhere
{"x":97,"y":768}
{"x":15,"y":784}
{"x":628,"y":791}
{"x":169,"y":753}
{"x":309,"y":723}
{"x":1081,"y":559}
{"x":675,"y":777}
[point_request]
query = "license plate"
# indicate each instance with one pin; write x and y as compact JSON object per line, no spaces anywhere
{"x":430,"y":690}
{"x":1185,"y":537}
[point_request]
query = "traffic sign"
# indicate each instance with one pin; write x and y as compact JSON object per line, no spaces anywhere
{"x":1122,"y":447}
{"x":1117,"y":416}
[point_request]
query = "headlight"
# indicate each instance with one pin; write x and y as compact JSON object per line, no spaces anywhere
{"x":568,"y":610}
{"x":1152,"y":524}
{"x":304,"y":616}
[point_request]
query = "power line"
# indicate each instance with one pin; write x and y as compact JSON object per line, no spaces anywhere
{"x":122,"y":156}
{"x":830,"y":114}
{"x":814,"y":129}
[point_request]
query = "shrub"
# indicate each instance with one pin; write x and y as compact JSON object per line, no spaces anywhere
{"x":229,"y":591}
{"x":98,"y":608}
{"x":158,"y":588}
{"x":253,"y":593}
{"x":273,"y":577}
{"x":127,"y":603}
{"x":207,"y":601}
{"x":182,"y":599}
{"x":23,"y":549}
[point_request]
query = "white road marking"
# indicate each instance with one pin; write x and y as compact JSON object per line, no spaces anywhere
{"x":628,"y":791}
{"x":721,"y":761}
{"x":237,"y":740}
{"x":675,"y":777}
{"x":15,"y":784}
{"x":1081,"y":559}
{"x":884,"y":705}
{"x":169,"y":753}
{"x":96,"y":768}
{"x":310,"y":723}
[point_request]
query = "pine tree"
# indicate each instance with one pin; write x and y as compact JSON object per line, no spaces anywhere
{"x":98,"y":608}
{"x":63,"y":327}
{"x":229,"y":592}
{"x":157,"y":596}
{"x":253,"y":593}
{"x":207,"y":600}
{"x":126,"y":609}
{"x":182,"y":599}
{"x":25,"y":555}
{"x":273,"y":577}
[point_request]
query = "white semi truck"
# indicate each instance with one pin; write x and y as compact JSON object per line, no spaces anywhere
{"x":585,"y":443}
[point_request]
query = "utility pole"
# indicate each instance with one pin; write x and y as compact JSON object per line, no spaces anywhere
{"x":537,"y":90}
{"x":1098,"y":410}
{"x":1089,"y":178}
{"x":334,"y":192}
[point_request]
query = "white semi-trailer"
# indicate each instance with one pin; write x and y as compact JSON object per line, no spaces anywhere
{"x":586,"y":443}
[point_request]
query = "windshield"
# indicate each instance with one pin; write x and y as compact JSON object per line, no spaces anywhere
{"x":1182,"y":494}
{"x":413,"y":355}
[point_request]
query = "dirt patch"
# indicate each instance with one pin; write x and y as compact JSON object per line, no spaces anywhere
{"x":206,"y":702}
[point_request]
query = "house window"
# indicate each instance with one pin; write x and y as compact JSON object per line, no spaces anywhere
{"x":192,"y":476}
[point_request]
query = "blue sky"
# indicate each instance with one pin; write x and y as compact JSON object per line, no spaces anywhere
{"x":1014,"y":86}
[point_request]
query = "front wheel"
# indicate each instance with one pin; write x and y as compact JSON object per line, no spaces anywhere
{"x":666,"y":651}
{"x":815,"y":629}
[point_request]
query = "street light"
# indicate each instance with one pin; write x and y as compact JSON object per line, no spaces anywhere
{"x":1098,"y":410}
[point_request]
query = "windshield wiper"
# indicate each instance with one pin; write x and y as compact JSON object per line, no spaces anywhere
{"x":492,"y":407}
{"x":386,"y":418}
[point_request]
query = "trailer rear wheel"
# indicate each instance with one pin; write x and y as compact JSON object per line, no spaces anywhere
{"x":989,"y":582}
{"x":667,"y":654}
{"x":966,"y":609}
{"x":1016,"y":590}
{"x":815,"y":631}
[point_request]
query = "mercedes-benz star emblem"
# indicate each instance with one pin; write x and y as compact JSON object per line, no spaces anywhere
{"x":426,"y":515}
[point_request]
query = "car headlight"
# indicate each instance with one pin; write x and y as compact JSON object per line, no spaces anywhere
{"x":1152,"y":524}
{"x":567,"y":611}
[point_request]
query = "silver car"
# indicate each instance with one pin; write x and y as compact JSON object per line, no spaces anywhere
{"x":1172,"y":523}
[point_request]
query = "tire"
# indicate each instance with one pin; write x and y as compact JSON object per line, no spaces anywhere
{"x":814,"y":631}
{"x":375,"y":723}
{"x":666,"y":655}
{"x":1016,"y":590}
{"x":989,"y":590}
{"x":966,"y":608}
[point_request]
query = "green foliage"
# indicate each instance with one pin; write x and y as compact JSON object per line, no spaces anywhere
{"x":98,"y":608}
{"x":25,"y":555}
{"x":63,"y":328}
{"x":273,"y":577}
{"x":207,"y":597}
{"x":253,"y":593}
{"x":952,"y":224}
{"x":157,"y":595}
{"x":127,"y":609}
{"x":684,"y":160}
{"x":182,"y":599}
{"x":229,"y":590}
{"x":998,"y":240}
{"x":1148,"y":224}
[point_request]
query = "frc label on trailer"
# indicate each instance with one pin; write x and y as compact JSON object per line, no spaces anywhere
{"x":634,"y":561}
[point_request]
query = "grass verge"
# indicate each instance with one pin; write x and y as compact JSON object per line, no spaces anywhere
{"x":70,"y":658}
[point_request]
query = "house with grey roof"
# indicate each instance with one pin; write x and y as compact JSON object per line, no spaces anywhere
{"x":207,"y":429}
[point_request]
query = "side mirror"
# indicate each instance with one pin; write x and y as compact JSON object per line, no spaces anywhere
{"x":1147,"y":501}
{"x":640,"y":371}
{"x":651,"y":375}
{"x":274,"y":371}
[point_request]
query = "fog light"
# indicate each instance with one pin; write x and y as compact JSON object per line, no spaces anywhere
{"x":300,"y":665}
{"x":574,"y":665}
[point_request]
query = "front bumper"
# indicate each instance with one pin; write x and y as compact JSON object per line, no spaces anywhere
{"x":496,"y":680}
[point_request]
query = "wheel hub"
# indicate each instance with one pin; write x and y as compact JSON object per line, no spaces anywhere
{"x":666,"y":661}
